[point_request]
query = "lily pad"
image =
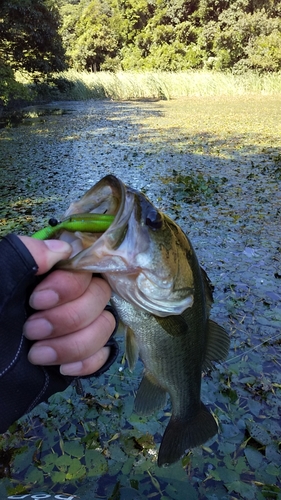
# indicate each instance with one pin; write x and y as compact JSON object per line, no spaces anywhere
{"x":258,"y":433}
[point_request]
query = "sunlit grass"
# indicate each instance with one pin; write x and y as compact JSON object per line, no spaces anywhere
{"x":167,"y":85}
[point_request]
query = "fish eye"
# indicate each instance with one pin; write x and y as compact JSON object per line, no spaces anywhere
{"x":153,"y":219}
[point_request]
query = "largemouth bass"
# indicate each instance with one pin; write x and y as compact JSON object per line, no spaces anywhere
{"x":163,"y":298}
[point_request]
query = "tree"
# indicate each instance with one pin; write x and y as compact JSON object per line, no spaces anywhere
{"x":9,"y":87}
{"x":172,"y":34}
{"x":231,"y":39}
{"x":29,"y":38}
{"x":90,"y":35}
{"x":209,"y":10}
{"x":264,"y":52}
{"x":181,"y":10}
{"x":135,"y":17}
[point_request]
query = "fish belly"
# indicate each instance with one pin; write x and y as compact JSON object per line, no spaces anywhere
{"x":172,"y":366}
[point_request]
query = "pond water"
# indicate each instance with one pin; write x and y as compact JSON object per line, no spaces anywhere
{"x":218,"y":174}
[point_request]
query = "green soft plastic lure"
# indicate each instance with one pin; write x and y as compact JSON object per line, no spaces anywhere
{"x":86,"y":223}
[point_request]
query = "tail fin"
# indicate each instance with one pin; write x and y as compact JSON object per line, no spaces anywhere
{"x":182,"y":434}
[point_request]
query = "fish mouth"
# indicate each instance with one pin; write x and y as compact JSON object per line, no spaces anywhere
{"x":109,"y":196}
{"x":118,"y":249}
{"x":127,"y":254}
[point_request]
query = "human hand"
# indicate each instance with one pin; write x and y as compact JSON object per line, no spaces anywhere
{"x":71,"y":326}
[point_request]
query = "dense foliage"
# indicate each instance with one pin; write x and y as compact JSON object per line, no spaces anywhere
{"x":38,"y":36}
{"x":29,"y":42}
{"x":172,"y":35}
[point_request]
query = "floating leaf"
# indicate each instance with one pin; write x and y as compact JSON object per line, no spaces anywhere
{"x":58,"y":477}
{"x":116,"y":453}
{"x":95,"y":462}
{"x":244,"y":489}
{"x":34,"y":476}
{"x":273,"y":453}
{"x":74,"y":448}
{"x":258,"y":433}
{"x":228,"y":475}
{"x":176,"y":493}
{"x":76,"y":470}
{"x":64,"y":460}
{"x":254,"y":457}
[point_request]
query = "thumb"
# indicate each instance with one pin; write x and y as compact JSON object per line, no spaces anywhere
{"x":46,"y":253}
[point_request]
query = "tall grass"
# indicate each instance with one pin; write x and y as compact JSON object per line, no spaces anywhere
{"x":166,"y":85}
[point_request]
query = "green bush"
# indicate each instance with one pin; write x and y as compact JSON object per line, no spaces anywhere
{"x":264,"y":52}
{"x":222,"y":61}
{"x":164,"y":57}
{"x":111,"y":64}
{"x":131,"y":58}
{"x":241,"y":40}
{"x":9,"y":87}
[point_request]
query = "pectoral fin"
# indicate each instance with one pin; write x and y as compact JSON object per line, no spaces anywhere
{"x":132,"y":350}
{"x":217,"y":345}
{"x":150,"y":397}
{"x":173,"y":325}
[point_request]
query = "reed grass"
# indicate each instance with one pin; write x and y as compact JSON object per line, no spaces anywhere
{"x":167,"y":85}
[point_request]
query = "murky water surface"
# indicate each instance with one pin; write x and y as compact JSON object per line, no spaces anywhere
{"x":223,"y":187}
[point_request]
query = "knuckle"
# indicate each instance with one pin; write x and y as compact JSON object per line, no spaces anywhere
{"x":78,"y":350}
{"x":75,"y":319}
{"x":95,"y":362}
{"x":100,"y":289}
{"x":108,"y":322}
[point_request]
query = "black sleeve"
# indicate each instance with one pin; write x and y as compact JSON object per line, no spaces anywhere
{"x":23,"y":385}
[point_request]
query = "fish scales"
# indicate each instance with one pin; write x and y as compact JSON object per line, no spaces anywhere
{"x":163,"y":298}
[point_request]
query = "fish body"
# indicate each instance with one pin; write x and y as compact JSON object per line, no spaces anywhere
{"x":163,"y":297}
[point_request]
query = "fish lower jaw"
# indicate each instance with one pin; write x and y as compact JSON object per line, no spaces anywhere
{"x":162,"y":308}
{"x":158,"y":308}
